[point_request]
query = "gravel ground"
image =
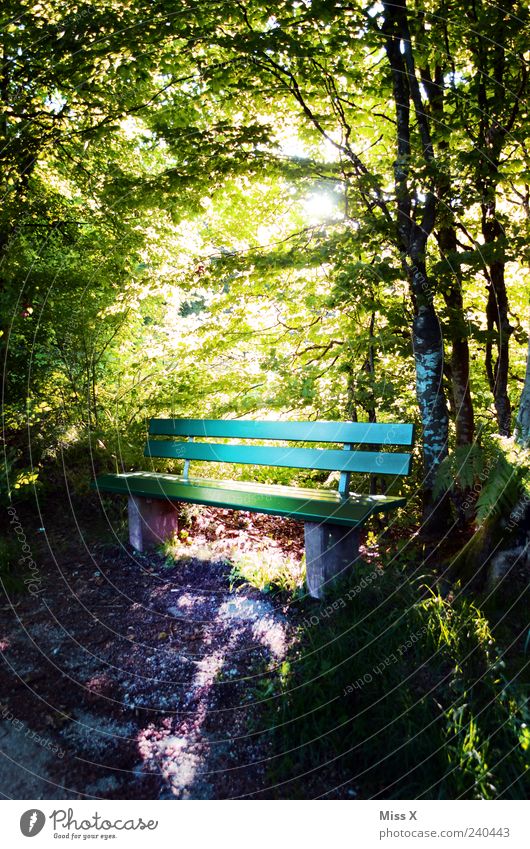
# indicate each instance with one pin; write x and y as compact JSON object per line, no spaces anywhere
{"x":125,"y":678}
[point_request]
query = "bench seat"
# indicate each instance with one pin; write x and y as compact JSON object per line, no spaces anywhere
{"x":332,"y":519}
{"x":306,"y":505}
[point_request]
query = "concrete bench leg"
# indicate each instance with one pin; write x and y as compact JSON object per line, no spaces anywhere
{"x":329,"y":551}
{"x":151,"y":521}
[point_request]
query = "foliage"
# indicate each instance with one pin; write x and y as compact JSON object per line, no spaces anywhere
{"x":397,"y":692}
{"x":462,"y":469}
{"x":506,"y":483}
{"x":11,"y":574}
{"x":494,"y":477}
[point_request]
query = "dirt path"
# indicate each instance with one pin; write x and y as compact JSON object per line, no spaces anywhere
{"x":128,"y":679}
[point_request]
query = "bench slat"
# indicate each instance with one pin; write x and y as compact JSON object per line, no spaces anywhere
{"x":301,"y":458}
{"x":307,"y":505}
{"x":358,"y":433}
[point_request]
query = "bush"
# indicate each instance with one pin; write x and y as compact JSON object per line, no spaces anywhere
{"x":11,"y":573}
{"x":397,"y":693}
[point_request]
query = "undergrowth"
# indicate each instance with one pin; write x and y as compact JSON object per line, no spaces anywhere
{"x":396,"y":692}
{"x":12,"y":573}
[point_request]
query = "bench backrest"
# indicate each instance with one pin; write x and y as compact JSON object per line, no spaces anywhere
{"x":353,"y":457}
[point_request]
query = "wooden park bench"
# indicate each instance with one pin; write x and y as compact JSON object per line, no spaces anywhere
{"x":333,"y":518}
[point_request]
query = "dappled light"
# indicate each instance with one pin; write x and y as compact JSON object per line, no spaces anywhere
{"x":184,"y":752}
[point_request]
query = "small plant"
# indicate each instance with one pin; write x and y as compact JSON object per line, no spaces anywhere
{"x":189,"y":512}
{"x":268,"y":570}
{"x":15,"y":480}
{"x":463,"y":468}
{"x":171,"y":549}
{"x":494,"y":479}
{"x":468,"y":754}
{"x":502,"y":490}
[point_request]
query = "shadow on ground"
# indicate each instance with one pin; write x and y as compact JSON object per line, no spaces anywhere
{"x":124,"y":678}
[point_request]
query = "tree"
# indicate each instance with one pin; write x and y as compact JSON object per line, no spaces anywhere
{"x":500,"y":88}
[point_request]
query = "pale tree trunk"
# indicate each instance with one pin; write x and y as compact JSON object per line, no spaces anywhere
{"x":415,"y":223}
{"x":429,"y":361}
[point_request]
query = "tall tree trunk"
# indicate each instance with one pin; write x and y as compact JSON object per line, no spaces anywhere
{"x":463,"y":403}
{"x":428,"y":349}
{"x":498,"y":324}
{"x":457,"y":370}
{"x":413,"y":233}
{"x":461,"y":391}
{"x":522,"y":427}
{"x":494,"y":128}
{"x":464,"y":418}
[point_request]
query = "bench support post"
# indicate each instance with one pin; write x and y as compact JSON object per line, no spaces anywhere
{"x":151,"y":521}
{"x":329,"y":551}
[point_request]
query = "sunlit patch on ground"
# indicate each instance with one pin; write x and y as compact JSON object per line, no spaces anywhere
{"x":184,"y":752}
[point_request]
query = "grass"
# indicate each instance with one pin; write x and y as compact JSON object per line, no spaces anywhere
{"x":397,"y":693}
{"x":268,"y":570}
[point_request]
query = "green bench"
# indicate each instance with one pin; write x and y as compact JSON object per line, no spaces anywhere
{"x":333,"y":518}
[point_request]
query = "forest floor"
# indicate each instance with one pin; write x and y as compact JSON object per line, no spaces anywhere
{"x":127,"y":678}
{"x":163,"y":676}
